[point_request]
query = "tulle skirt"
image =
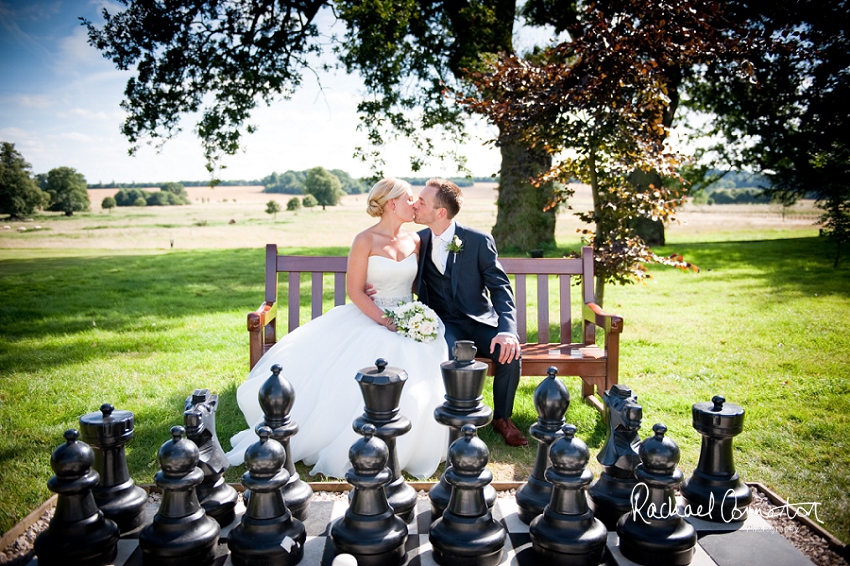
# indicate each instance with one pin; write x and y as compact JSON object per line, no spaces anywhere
{"x":321,"y":360}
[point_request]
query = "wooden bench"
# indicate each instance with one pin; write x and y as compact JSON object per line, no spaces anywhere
{"x":597,"y":366}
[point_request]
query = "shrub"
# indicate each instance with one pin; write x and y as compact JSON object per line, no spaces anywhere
{"x":293,"y":204}
{"x":309,"y":201}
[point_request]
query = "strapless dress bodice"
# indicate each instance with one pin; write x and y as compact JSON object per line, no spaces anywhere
{"x":392,"y":280}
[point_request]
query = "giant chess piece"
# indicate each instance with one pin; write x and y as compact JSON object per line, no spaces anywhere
{"x":276,"y":398}
{"x":381,"y":388}
{"x":120,"y":499}
{"x":610,"y":495}
{"x":467,"y":534}
{"x":551,"y":399}
{"x":78,"y":533}
{"x":567,"y":533}
{"x":181,"y":532}
{"x":216,"y":496}
{"x":369,"y":530}
{"x":267,"y":534}
{"x":654,"y":533}
{"x":715,"y":486}
{"x":463,"y":378}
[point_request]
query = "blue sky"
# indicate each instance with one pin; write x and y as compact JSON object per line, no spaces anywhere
{"x":59,"y":105}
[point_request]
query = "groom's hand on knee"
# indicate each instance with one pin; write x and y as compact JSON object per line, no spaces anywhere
{"x":509,"y":349}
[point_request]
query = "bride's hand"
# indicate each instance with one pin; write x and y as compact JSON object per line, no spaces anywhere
{"x":390,"y":325}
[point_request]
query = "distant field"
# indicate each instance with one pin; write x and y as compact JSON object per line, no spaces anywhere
{"x":235,"y":217}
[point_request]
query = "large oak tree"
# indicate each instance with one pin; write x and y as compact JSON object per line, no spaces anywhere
{"x":223,"y":58}
{"x":601,"y":105}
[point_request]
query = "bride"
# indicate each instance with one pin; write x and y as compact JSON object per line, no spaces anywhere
{"x":322,"y":358}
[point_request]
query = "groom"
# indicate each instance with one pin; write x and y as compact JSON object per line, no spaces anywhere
{"x":461,"y":279}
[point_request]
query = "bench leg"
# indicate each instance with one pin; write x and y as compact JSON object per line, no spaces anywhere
{"x":588,"y":386}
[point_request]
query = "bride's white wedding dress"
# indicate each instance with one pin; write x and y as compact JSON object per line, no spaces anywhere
{"x":321,"y":360}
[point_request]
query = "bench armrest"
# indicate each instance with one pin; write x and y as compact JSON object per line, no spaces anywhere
{"x":258,"y":322}
{"x":262,"y":316}
{"x":610,"y":323}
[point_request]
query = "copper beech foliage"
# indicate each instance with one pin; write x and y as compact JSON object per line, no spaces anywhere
{"x":597,"y":104}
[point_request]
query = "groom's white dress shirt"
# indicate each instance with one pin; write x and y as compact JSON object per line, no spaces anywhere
{"x":439,"y":247}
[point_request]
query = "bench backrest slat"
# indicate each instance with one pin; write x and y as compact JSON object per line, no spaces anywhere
{"x":543,"y":309}
{"x":339,"y":289}
{"x":566,"y":311}
{"x":519,"y":268}
{"x":521,"y":327}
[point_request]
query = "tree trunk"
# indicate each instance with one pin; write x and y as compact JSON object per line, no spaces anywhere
{"x":522,"y":224}
{"x":599,"y":287}
{"x":652,"y":231}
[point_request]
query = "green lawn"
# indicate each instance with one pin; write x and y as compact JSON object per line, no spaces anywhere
{"x":763,"y":324}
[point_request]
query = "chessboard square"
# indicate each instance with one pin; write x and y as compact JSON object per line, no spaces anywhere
{"x":521,"y":551}
{"x":421,"y":522}
{"x":754,"y":548}
{"x":319,"y":518}
{"x":506,"y":511}
{"x":700,"y":558}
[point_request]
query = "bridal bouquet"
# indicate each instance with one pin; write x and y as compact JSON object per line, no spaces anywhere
{"x":415,"y":320}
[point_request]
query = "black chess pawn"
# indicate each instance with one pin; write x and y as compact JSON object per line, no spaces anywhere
{"x":654,"y":533}
{"x":276,"y":397}
{"x":267,"y":534}
{"x":714,"y":491}
{"x":181,"y":533}
{"x":216,"y":496}
{"x":369,"y":530}
{"x":381,"y":388}
{"x":551,"y":399}
{"x":108,"y":432}
{"x":567,"y":533}
{"x":467,"y":534}
{"x":463,"y":379}
{"x":78,"y":533}
{"x":610,"y":495}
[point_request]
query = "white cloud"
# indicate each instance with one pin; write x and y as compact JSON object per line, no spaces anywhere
{"x":77,"y":137}
{"x":28,"y":101}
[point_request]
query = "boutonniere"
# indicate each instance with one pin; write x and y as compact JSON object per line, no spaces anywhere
{"x":456,"y":245}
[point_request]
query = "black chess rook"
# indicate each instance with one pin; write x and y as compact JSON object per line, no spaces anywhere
{"x":551,"y":399}
{"x":216,"y":497}
{"x":370,"y":531}
{"x":108,"y":432}
{"x":567,"y":533}
{"x":267,"y":534}
{"x":78,"y":533}
{"x":463,"y":379}
{"x":654,"y":533}
{"x":714,"y":491}
{"x":467,"y":534}
{"x":181,"y":532}
{"x":381,"y":387}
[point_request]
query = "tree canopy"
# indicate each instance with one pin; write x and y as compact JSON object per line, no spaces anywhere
{"x":599,"y":103}
{"x":789,"y":120}
{"x":219,"y":58}
{"x":20,"y":195}
{"x":68,"y":191}
{"x":324,"y":186}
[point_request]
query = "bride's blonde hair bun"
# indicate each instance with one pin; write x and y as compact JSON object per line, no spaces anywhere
{"x":383,"y":191}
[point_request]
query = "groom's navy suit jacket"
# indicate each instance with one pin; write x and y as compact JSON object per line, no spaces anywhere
{"x":479,"y":285}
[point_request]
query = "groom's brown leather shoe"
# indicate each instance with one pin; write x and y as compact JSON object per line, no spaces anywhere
{"x":509,"y":431}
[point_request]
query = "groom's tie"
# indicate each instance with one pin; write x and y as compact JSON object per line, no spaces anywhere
{"x":436,"y":253}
